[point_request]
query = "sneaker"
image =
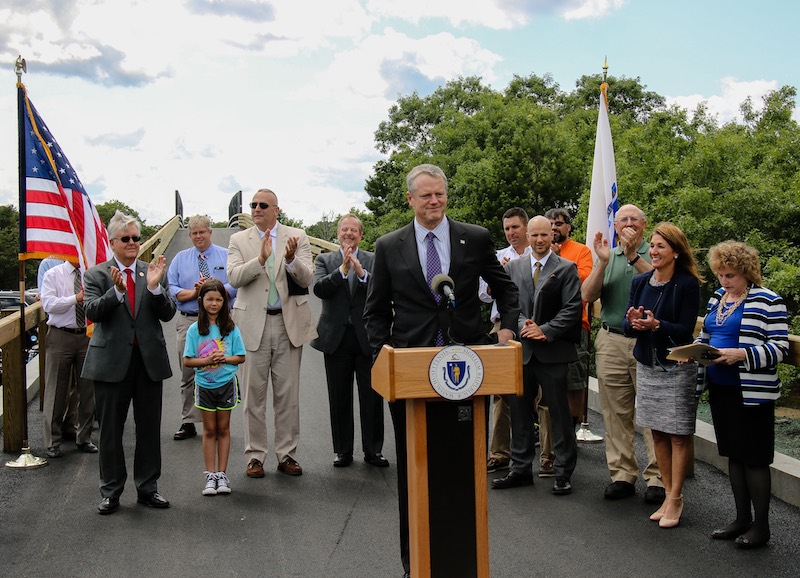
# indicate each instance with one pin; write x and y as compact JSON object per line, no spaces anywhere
{"x":223,"y":485}
{"x":496,"y":464}
{"x":54,"y":452}
{"x":211,"y":484}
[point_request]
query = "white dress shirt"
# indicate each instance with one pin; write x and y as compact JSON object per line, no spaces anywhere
{"x":57,"y":295}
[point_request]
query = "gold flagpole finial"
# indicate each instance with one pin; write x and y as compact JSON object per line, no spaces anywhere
{"x":20,"y":67}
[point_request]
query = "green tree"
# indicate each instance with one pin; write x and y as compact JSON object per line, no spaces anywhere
{"x":107,"y":210}
{"x":9,"y":251}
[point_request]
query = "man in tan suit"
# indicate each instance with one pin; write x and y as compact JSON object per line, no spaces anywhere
{"x":270,"y":265}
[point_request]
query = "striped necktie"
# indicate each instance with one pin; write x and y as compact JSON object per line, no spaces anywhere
{"x":80,"y":312}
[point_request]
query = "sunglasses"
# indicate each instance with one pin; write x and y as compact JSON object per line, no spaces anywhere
{"x":127,"y":238}
{"x":260,"y":205}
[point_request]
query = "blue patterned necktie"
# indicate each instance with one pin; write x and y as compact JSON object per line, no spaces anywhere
{"x":434,"y":267}
{"x":203,"y":264}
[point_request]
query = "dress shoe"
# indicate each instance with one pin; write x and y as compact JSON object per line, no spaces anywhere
{"x":496,"y":464}
{"x":343,"y":460}
{"x":666,"y":522}
{"x":512,"y":480}
{"x":186,"y":431}
{"x":747,"y":544}
{"x":88,"y":448}
{"x":546,"y":469}
{"x":154,"y":500}
{"x":54,"y":452}
{"x":290,"y":467}
{"x":108,"y":506}
{"x":618,"y":490}
{"x":658,"y":514}
{"x":255,"y":469}
{"x":654,"y":495}
{"x":562,"y":487}
{"x":376,"y":460}
{"x":730,"y":532}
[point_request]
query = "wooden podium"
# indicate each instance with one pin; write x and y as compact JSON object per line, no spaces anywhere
{"x":447,"y":490}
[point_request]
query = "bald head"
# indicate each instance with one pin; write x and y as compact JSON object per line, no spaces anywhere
{"x":540,"y":236}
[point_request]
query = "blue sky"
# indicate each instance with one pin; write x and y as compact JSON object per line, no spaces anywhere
{"x":212,"y":96}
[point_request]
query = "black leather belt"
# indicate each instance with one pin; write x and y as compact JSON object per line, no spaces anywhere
{"x":188,"y":314}
{"x":610,"y":329}
{"x":72,"y":330}
{"x":274,"y":311}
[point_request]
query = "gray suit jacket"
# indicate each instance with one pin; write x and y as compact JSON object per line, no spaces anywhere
{"x":338,"y":304}
{"x":115,"y":329}
{"x":555,"y":306}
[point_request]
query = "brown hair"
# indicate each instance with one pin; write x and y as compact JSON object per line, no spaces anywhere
{"x":680,"y":244}
{"x":224,"y":321}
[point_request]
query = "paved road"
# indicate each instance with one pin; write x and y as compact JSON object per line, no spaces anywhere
{"x":343,"y":522}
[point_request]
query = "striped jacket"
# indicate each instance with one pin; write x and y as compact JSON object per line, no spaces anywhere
{"x":764,"y":335}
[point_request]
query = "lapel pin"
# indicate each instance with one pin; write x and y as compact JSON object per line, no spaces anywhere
{"x":141,"y":274}
{"x":463,"y":242}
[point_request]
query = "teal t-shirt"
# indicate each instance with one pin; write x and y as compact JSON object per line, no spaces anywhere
{"x":617,"y":285}
{"x":213,"y":376}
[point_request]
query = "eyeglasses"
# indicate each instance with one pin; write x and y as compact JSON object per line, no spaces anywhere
{"x":630,"y":220}
{"x":253,"y":205}
{"x":128,"y":238}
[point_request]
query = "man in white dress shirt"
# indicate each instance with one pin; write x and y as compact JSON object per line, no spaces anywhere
{"x":515,"y":224}
{"x":62,"y":299}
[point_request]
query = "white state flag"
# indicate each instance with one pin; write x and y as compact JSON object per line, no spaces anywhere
{"x":603,"y":201}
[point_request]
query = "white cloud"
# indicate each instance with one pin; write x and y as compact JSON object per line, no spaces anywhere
{"x":590,"y":8}
{"x":725,"y":106}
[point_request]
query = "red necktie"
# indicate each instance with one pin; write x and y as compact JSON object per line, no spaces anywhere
{"x":131,"y":290}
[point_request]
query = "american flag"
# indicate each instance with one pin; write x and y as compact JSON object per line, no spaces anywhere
{"x":59,"y":218}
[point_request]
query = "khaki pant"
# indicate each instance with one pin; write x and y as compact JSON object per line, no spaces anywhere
{"x":501,"y":428}
{"x":616,"y":376}
{"x":278,"y":361}
{"x":189,"y":413}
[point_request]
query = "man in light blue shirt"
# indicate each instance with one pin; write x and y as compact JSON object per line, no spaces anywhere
{"x":187,"y":272}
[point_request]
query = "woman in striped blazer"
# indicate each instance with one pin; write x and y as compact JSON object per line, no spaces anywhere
{"x":747,"y":323}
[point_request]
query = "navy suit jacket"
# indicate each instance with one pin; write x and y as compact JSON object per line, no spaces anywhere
{"x":338,"y":305}
{"x":676,"y":309}
{"x":115,"y":329}
{"x":555,"y":306}
{"x":400,"y":308}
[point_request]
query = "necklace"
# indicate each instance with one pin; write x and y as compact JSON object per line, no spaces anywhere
{"x":725,"y":311}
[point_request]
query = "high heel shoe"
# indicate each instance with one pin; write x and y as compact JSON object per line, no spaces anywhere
{"x":658,"y":514}
{"x":665,"y":522}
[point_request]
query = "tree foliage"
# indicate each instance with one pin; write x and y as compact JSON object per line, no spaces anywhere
{"x":107,"y":210}
{"x":532,"y":145}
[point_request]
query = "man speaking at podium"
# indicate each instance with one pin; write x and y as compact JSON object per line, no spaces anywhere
{"x":402,"y":309}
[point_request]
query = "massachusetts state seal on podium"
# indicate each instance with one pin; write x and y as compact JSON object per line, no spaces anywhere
{"x":456,"y":372}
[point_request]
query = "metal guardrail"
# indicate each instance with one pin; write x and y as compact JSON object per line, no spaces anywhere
{"x":157,"y":244}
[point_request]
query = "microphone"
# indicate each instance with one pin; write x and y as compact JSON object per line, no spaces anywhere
{"x":444,"y":285}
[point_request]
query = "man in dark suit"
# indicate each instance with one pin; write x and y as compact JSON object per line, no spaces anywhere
{"x":340,"y":280}
{"x":549,"y":327}
{"x":402,"y":309}
{"x":128,"y":361}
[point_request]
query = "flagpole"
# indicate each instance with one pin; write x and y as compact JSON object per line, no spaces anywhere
{"x":584,"y":434}
{"x":26,"y":460}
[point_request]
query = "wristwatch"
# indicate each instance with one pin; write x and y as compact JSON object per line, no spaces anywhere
{"x":633,"y":261}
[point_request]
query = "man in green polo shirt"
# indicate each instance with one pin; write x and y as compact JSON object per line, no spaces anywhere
{"x":610,"y":281}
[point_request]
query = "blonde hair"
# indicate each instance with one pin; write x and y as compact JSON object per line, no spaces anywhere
{"x":737,"y":256}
